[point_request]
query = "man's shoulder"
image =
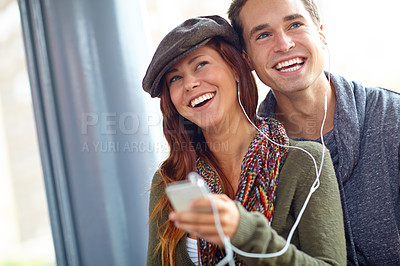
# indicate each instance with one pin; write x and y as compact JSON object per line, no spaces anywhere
{"x":365,"y":108}
{"x":267,"y":106}
{"x":378,"y":93}
{"x":343,"y":86}
{"x":365,"y":102}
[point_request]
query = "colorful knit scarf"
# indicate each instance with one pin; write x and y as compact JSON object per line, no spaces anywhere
{"x":258,"y":180}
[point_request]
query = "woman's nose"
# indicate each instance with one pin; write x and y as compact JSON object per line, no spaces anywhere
{"x":191,"y":82}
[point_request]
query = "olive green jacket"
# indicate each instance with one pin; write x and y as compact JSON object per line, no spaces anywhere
{"x":319,"y":238}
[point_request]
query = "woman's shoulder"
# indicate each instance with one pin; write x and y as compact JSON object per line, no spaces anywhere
{"x":302,"y":149}
{"x":306,"y":144}
{"x":157,"y":179}
{"x":304,"y":156}
{"x":157,"y":189}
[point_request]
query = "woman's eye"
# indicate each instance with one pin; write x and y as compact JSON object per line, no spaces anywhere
{"x":200,"y":65}
{"x":263,"y":36}
{"x":174,"y":78}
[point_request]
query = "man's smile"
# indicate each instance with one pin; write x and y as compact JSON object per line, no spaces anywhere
{"x":290,"y":65}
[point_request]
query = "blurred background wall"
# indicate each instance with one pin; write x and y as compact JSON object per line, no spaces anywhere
{"x":25,"y":236}
{"x":362,"y":39}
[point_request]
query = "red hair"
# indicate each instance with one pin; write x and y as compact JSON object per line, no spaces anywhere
{"x":187,"y":143}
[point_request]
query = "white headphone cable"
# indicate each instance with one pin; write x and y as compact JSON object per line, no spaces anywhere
{"x":227,"y":244}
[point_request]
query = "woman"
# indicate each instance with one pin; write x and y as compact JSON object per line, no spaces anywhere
{"x":197,"y":71}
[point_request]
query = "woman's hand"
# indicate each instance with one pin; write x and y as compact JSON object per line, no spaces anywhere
{"x":202,"y":223}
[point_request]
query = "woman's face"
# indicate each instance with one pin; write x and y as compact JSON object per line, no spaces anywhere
{"x":202,"y":88}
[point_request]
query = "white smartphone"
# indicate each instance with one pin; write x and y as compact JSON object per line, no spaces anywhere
{"x":180,"y":193}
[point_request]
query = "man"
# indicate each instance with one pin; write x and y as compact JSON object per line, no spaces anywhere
{"x":283,"y":42}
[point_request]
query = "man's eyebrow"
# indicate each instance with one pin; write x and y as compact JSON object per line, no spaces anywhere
{"x":257,"y":29}
{"x":293,"y":17}
{"x":266,"y":25}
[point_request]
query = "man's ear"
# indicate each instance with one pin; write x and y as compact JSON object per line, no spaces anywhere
{"x":246,"y":57}
{"x":321,"y":33}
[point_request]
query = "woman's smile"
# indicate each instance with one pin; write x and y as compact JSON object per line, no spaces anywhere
{"x":202,"y":99}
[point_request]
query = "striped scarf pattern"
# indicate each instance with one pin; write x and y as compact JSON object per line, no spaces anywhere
{"x":258,"y":180}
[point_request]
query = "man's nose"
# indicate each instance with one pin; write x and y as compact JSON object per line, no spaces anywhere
{"x":283,"y":42}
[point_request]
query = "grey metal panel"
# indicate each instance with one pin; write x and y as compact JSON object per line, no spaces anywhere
{"x":89,"y":108}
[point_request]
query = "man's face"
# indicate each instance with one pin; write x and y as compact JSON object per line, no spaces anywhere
{"x":284,"y":45}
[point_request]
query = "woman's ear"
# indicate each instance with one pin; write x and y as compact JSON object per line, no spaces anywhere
{"x":236,"y":76}
{"x":246,"y":57}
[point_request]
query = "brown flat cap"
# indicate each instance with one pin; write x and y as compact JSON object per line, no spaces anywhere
{"x":184,"y":39}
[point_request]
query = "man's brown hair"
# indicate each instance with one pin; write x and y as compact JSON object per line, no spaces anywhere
{"x":237,"y":5}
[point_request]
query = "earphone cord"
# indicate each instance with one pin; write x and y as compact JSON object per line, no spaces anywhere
{"x":229,"y":248}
